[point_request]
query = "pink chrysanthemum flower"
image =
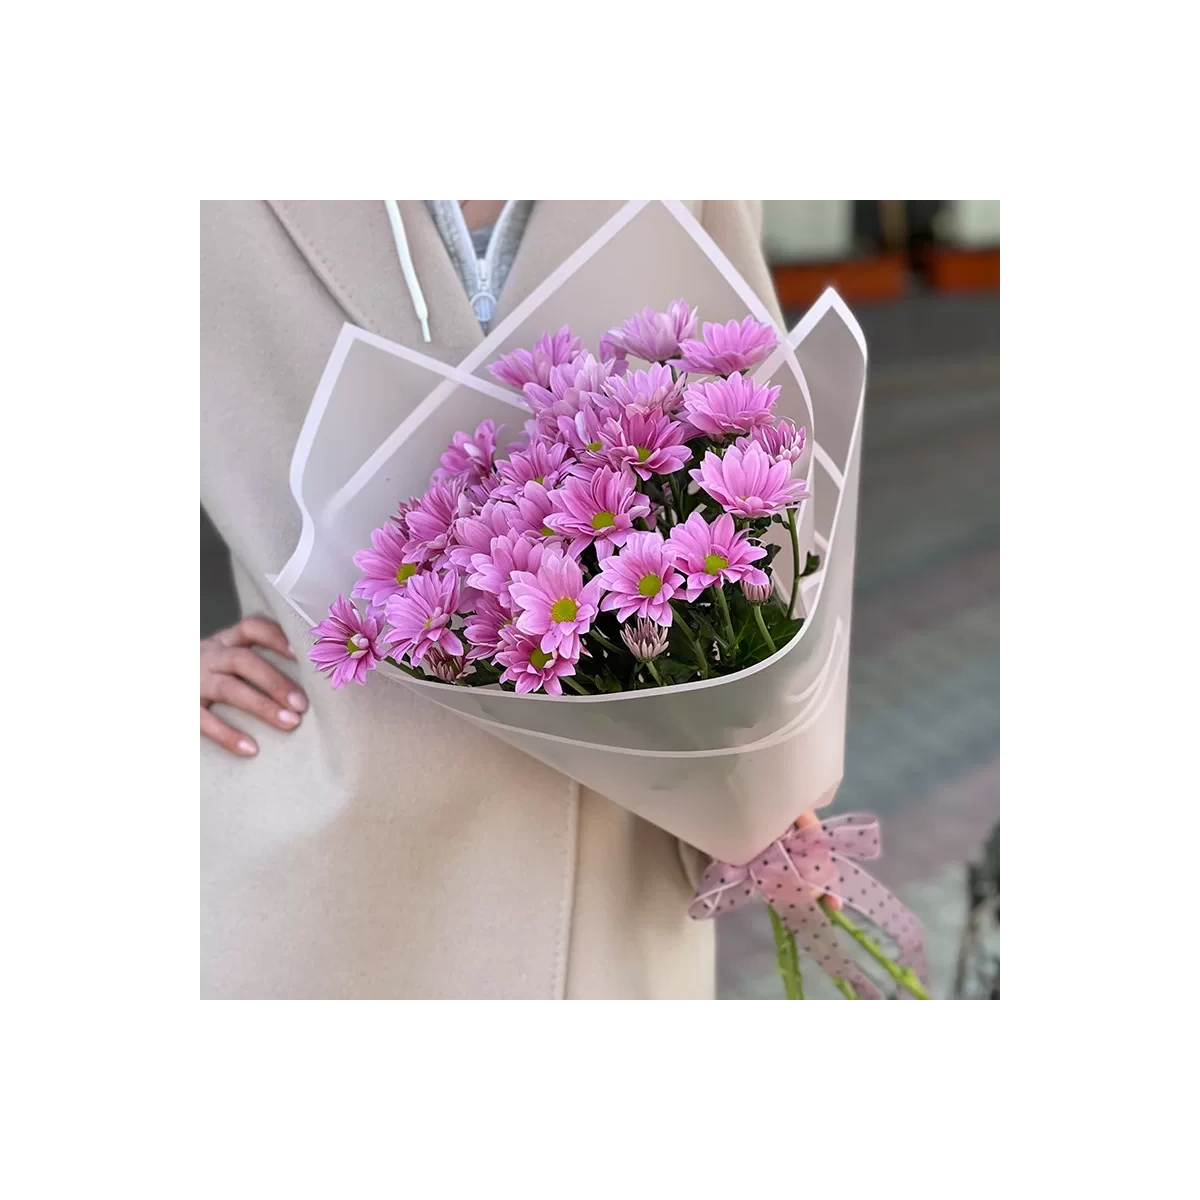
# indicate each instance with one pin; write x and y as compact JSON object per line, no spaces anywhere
{"x":348,"y":645}
{"x":649,"y":442}
{"x":420,"y":615}
{"x":534,"y":366}
{"x":720,"y":407}
{"x":483,"y":490}
{"x":492,"y":571}
{"x":611,"y":349}
{"x":582,"y":432}
{"x":533,"y":507}
{"x":431,"y":522}
{"x":600,"y":511}
{"x":555,"y":604}
{"x":573,"y":387}
{"x":781,"y":440}
{"x":483,"y":627}
{"x":471,"y":456}
{"x":748,"y":482}
{"x":714,"y":554}
{"x":641,"y":579}
{"x":655,"y":336}
{"x":727,"y":348}
{"x":544,"y":463}
{"x":400,"y":517}
{"x":383,"y":566}
{"x":529,"y":666}
{"x":582,"y":374}
{"x":655,"y":389}
{"x":473,"y":535}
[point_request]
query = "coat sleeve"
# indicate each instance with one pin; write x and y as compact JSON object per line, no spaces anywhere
{"x":736,"y":226}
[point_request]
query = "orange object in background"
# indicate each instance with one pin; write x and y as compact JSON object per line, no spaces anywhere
{"x":950,"y":269}
{"x":858,"y":280}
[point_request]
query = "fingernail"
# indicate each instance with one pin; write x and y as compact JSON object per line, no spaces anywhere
{"x":246,"y":746}
{"x":298,"y":701}
{"x":288,"y":718}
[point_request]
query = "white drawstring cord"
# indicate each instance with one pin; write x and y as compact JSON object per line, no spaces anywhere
{"x":406,"y":265}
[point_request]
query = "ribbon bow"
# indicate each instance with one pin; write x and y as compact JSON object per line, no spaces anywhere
{"x":792,"y":875}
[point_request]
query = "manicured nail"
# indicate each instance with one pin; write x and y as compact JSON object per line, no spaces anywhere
{"x":288,"y":718}
{"x":246,"y":746}
{"x":298,"y":701}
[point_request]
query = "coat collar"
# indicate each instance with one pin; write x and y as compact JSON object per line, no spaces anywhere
{"x":348,"y":244}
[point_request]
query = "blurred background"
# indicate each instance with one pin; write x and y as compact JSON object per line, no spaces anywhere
{"x":923,"y":739}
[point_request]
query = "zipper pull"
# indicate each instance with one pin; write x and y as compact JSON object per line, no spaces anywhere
{"x":483,"y":302}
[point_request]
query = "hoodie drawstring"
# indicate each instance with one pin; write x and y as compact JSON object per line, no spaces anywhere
{"x":406,"y":265}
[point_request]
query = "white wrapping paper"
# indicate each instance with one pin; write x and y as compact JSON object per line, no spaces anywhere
{"x":725,"y":764}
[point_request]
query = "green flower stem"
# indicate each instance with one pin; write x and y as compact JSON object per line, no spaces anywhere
{"x":407,"y":669}
{"x":654,"y":672}
{"x":762,"y":627}
{"x":701,"y":660}
{"x":906,"y":977}
{"x":595,"y":633}
{"x":569,"y":680}
{"x":843,"y":987}
{"x":723,"y":604}
{"x":786,"y":957}
{"x":679,"y":493}
{"x":795,"y":562}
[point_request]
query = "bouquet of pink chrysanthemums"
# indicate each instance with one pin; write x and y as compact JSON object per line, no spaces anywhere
{"x":635,"y":565}
{"x":622,"y":543}
{"x":618,"y":544}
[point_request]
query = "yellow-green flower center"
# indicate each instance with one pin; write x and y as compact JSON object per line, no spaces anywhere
{"x":405,"y":572}
{"x":603,"y":520}
{"x":547,"y":531}
{"x":650,"y":585}
{"x":714,"y":563}
{"x":564,"y":609}
{"x":643,"y":453}
{"x":351,"y":648}
{"x":539,"y":658}
{"x":539,"y":479}
{"x":593,"y":446}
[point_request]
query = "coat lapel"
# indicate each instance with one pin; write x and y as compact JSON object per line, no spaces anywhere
{"x":348,"y":244}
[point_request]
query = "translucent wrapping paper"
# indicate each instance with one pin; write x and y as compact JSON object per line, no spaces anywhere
{"x":725,"y":764}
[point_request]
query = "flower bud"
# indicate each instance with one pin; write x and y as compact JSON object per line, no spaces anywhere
{"x":646,"y":639}
{"x":447,"y":667}
{"x":756,"y":593}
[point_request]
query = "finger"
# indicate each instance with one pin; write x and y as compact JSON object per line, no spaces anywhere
{"x":256,"y":670}
{"x":805,"y":820}
{"x":213,"y":728}
{"x":258,"y":631}
{"x":228,"y":689}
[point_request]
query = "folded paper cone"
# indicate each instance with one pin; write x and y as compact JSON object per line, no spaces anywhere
{"x":725,"y":764}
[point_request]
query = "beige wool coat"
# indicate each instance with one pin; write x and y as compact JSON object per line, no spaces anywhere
{"x":387,"y":849}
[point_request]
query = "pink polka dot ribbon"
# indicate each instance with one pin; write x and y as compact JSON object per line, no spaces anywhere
{"x":795,"y":871}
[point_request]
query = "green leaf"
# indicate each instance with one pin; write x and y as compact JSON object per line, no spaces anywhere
{"x":674,"y":671}
{"x":811,"y":563}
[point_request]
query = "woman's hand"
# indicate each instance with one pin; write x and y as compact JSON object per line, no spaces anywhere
{"x":232,"y":672}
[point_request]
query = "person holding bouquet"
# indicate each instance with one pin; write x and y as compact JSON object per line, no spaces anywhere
{"x":377,"y":847}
